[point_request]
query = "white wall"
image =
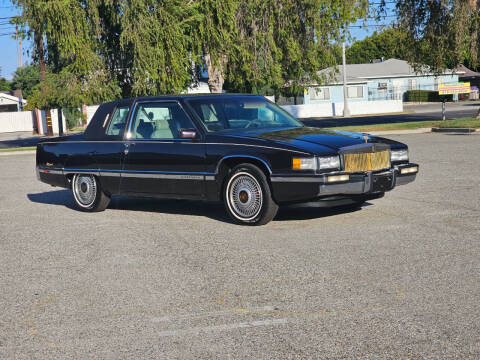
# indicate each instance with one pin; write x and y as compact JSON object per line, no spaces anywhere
{"x":23,"y":121}
{"x":310,"y":110}
{"x":54,"y":114}
{"x":16,"y":121}
{"x":91,"y":111}
{"x":336,"y":109}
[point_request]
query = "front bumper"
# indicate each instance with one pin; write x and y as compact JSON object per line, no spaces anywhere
{"x":370,"y":183}
{"x":317,"y":186}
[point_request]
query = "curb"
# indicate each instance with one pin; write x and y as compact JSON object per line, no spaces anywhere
{"x":454,"y":130}
{"x":10,"y":153}
{"x":401,"y":132}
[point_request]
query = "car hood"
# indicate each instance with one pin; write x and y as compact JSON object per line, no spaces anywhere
{"x":308,"y":138}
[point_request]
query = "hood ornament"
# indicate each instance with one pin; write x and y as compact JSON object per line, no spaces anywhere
{"x":365,"y":137}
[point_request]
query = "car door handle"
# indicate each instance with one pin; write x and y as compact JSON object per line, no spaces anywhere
{"x":127,"y":147}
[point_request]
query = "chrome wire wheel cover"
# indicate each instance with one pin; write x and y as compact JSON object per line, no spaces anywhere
{"x":84,"y":190}
{"x":244,"y":196}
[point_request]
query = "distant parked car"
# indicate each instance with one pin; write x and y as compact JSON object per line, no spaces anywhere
{"x":240,"y":149}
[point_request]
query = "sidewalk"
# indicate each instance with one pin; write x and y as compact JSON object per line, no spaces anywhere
{"x":19,"y":139}
{"x":420,"y":108}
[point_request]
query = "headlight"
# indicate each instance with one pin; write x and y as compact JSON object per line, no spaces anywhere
{"x":329,"y":162}
{"x":399,"y":155}
{"x":304,"y":164}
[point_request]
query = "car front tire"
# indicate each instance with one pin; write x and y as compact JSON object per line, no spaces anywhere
{"x":88,"y":193}
{"x":247,"y":196}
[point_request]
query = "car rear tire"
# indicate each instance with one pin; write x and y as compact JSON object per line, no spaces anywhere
{"x":88,"y":193}
{"x":247,"y":196}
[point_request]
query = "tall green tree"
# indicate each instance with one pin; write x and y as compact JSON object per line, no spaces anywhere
{"x":25,"y":79}
{"x":95,"y":50}
{"x":156,"y":34}
{"x":4,"y":83}
{"x":214,"y":38}
{"x":440,"y":33}
{"x":284,"y":43}
{"x":386,"y":44}
{"x":65,"y":35}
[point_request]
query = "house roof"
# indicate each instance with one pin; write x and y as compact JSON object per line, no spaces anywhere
{"x":467,"y":73}
{"x":6,"y":95}
{"x":390,"y":68}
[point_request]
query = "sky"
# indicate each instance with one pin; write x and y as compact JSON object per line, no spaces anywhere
{"x":8,"y":47}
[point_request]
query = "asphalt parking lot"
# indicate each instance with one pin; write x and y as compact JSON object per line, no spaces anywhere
{"x":163,"y":279}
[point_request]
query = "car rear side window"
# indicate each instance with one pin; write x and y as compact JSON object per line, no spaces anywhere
{"x":118,"y":121}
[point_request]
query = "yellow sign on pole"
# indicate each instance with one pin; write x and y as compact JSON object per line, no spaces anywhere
{"x":450,"y":89}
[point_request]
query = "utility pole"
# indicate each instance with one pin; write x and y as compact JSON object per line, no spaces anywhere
{"x":346,"y":110}
{"x":19,"y":47}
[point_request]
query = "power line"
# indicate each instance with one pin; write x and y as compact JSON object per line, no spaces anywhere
{"x":381,"y":16}
{"x":379,"y":3}
{"x":367,"y":26}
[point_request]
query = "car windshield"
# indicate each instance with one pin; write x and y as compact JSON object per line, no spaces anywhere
{"x":229,"y":113}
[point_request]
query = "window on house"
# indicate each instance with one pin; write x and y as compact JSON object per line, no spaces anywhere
{"x":355,"y":92}
{"x":412,"y":84}
{"x":319,"y":93}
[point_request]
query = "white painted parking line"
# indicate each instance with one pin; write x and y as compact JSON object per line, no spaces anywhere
{"x":166,"y":318}
{"x":222,"y":327}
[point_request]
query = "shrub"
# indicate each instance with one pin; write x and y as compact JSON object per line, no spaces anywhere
{"x":425,"y":96}
{"x":73,"y":117}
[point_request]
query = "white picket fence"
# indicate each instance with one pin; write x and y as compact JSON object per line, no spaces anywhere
{"x":26,"y":120}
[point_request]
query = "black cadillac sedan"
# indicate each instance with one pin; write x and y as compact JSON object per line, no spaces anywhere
{"x":240,"y":149}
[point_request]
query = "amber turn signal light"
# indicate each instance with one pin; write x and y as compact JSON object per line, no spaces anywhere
{"x":304,"y":164}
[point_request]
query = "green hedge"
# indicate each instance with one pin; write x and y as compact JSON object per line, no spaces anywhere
{"x":73,"y":117}
{"x":425,"y":96}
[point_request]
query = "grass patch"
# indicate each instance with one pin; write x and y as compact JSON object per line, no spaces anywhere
{"x":460,"y":123}
{"x":454,"y":123}
{"x":77,"y":129}
{"x":26,"y":148}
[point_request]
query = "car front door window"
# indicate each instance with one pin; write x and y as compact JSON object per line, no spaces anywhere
{"x":159,"y":121}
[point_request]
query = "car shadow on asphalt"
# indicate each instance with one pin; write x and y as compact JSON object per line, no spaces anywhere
{"x":212,"y":210}
{"x":313,"y":212}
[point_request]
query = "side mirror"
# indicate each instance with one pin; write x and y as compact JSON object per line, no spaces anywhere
{"x":187,"y":134}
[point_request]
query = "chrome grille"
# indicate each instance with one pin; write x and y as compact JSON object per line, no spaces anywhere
{"x":368,"y":161}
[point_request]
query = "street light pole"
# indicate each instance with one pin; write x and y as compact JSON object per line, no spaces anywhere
{"x":346,"y":110}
